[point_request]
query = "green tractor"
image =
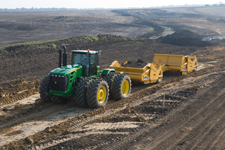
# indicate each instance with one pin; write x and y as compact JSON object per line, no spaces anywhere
{"x":83,"y":82}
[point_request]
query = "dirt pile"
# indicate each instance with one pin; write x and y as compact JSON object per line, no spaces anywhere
{"x":19,"y":90}
{"x":184,"y":38}
{"x":139,"y":63}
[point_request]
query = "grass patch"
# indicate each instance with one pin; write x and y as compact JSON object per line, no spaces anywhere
{"x":151,"y":29}
{"x":124,"y":39}
{"x":102,"y":36}
{"x":53,"y":46}
{"x":69,"y":19}
{"x":168,"y":31}
{"x":163,"y":27}
{"x":92,"y":38}
{"x":192,"y":30}
{"x":32,"y":43}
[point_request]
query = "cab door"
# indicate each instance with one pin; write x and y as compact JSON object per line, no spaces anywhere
{"x":94,"y":62}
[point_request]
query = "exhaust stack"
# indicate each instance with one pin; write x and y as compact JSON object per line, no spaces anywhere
{"x":60,"y":56}
{"x":64,"y":56}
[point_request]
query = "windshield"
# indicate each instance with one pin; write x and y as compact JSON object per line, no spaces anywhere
{"x":78,"y":58}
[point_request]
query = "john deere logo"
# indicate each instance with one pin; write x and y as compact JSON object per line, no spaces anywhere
{"x":55,"y":82}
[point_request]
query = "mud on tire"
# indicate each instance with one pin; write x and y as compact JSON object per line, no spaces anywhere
{"x":109,"y":79}
{"x":97,"y":93}
{"x":44,"y":88}
{"x":121,"y":86}
{"x":80,"y":92}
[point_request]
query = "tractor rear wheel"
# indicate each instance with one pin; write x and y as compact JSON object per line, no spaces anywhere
{"x":121,"y":86}
{"x":80,"y":92}
{"x":97,"y":93}
{"x":58,"y":100}
{"x":44,"y":88}
{"x":109,"y":79}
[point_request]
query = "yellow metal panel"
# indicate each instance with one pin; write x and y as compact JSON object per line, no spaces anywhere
{"x":167,"y":59}
{"x":154,"y":71}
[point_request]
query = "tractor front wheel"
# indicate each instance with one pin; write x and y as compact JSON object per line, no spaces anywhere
{"x":44,"y":88}
{"x":80,"y":92}
{"x":97,"y":93}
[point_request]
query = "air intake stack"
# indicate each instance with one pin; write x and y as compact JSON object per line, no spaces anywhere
{"x":60,"y":56}
{"x":64,"y":56}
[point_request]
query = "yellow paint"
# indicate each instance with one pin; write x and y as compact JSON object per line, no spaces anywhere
{"x":102,"y":94}
{"x":125,"y":87}
{"x":154,"y":71}
{"x":74,"y":70}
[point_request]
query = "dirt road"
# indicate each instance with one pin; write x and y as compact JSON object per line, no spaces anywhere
{"x":182,"y":112}
{"x":190,"y":116}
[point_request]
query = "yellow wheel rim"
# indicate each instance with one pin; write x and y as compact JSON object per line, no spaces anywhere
{"x":101,"y":94}
{"x":125,"y":87}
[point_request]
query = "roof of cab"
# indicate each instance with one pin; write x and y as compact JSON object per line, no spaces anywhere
{"x":85,"y":51}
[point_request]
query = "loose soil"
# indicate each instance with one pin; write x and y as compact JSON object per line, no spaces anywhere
{"x":182,"y":112}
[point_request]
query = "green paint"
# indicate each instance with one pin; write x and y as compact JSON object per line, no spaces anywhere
{"x":74,"y":71}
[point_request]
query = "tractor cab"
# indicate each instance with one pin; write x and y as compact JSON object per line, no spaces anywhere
{"x":89,"y":61}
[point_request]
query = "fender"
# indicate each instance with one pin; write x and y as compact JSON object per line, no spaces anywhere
{"x":105,"y":72}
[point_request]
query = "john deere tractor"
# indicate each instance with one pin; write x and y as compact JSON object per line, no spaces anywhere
{"x":83,"y":82}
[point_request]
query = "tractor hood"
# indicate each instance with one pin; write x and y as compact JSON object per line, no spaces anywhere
{"x":65,"y":69}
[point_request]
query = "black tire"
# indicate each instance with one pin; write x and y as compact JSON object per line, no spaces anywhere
{"x":160,"y":79}
{"x":44,"y":88}
{"x":58,"y":100}
{"x":97,"y":93}
{"x":118,"y":91}
{"x":80,"y":92}
{"x":109,"y":79}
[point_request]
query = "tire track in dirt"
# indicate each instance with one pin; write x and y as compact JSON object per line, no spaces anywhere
{"x":149,"y":130}
{"x":193,"y":128}
{"x":31,"y":116}
{"x":77,"y":125}
{"x":167,"y":139}
{"x":48,"y":110}
{"x":209,"y":123}
{"x":219,"y":140}
{"x":210,"y":134}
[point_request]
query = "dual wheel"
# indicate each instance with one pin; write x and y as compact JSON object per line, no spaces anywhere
{"x":91,"y":93}
{"x":94,"y":93}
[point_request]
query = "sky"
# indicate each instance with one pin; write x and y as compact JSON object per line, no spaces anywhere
{"x":98,"y":3}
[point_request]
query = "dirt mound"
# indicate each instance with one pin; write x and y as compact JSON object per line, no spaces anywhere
{"x":184,"y":38}
{"x":139,"y":63}
{"x":20,"y":89}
